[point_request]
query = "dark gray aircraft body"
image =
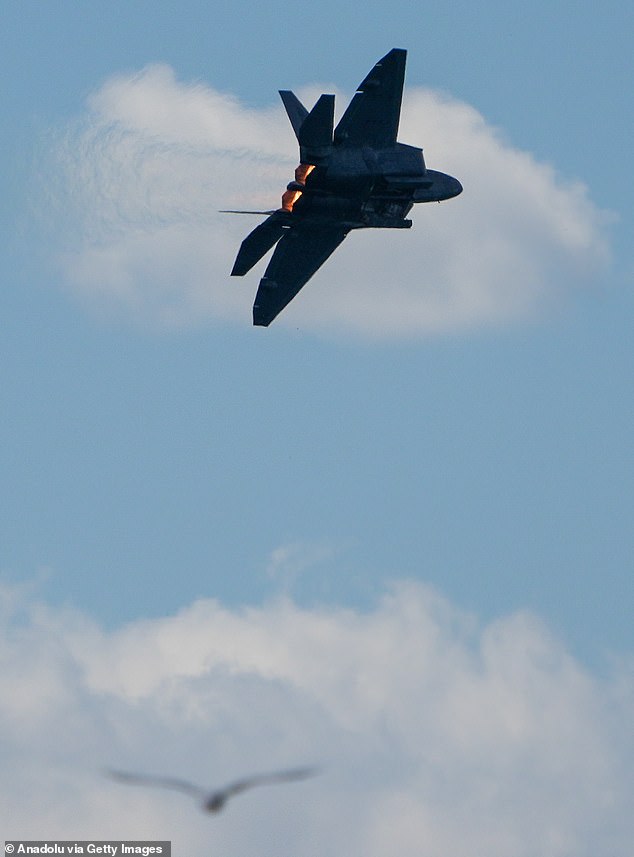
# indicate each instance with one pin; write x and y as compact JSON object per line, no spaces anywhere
{"x":354,"y":176}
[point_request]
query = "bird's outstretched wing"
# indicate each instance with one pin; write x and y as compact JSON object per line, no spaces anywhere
{"x":160,"y":782}
{"x":212,"y":801}
{"x":265,"y":779}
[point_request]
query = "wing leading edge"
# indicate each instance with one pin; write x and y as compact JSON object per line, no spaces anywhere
{"x":300,"y":252}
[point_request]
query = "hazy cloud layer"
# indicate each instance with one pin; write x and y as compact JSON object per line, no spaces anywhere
{"x":436,"y":735}
{"x":139,"y":180}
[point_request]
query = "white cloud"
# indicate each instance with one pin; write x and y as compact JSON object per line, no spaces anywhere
{"x":142,"y":176}
{"x":290,"y":561}
{"x":436,"y":735}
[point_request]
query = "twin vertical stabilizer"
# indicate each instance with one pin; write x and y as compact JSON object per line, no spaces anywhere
{"x":314,"y":130}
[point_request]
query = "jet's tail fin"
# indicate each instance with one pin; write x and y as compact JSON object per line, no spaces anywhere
{"x":294,"y":108}
{"x":315,"y":134}
{"x":314,"y":130}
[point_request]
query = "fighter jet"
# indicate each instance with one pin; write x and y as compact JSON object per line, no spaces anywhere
{"x":215,"y":800}
{"x":354,"y":176}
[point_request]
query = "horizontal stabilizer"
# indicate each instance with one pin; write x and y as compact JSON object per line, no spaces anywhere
{"x":294,"y":108}
{"x":259,"y":242}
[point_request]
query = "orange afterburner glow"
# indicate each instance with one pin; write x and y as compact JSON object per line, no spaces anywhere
{"x":290,"y":196}
{"x":302,"y":172}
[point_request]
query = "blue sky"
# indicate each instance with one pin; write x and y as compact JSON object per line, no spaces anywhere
{"x":157,"y":451}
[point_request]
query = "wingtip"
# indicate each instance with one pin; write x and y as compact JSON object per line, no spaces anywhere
{"x":311,"y":771}
{"x":260,"y":321}
{"x":396,"y":52}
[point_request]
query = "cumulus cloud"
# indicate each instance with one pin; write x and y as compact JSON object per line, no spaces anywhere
{"x":288,"y":562}
{"x":141,"y":176}
{"x":436,"y":735}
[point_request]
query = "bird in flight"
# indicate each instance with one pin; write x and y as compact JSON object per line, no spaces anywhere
{"x":215,"y":800}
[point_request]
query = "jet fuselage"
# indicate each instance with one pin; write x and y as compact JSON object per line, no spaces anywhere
{"x":367,"y":187}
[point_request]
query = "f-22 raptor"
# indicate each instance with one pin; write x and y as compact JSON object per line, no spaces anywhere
{"x":354,"y":176}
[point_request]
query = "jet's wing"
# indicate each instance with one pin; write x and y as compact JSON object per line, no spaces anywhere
{"x":300,"y":252}
{"x":372,"y":116}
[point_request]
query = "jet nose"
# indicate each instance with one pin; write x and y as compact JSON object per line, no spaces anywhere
{"x":455,"y":187}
